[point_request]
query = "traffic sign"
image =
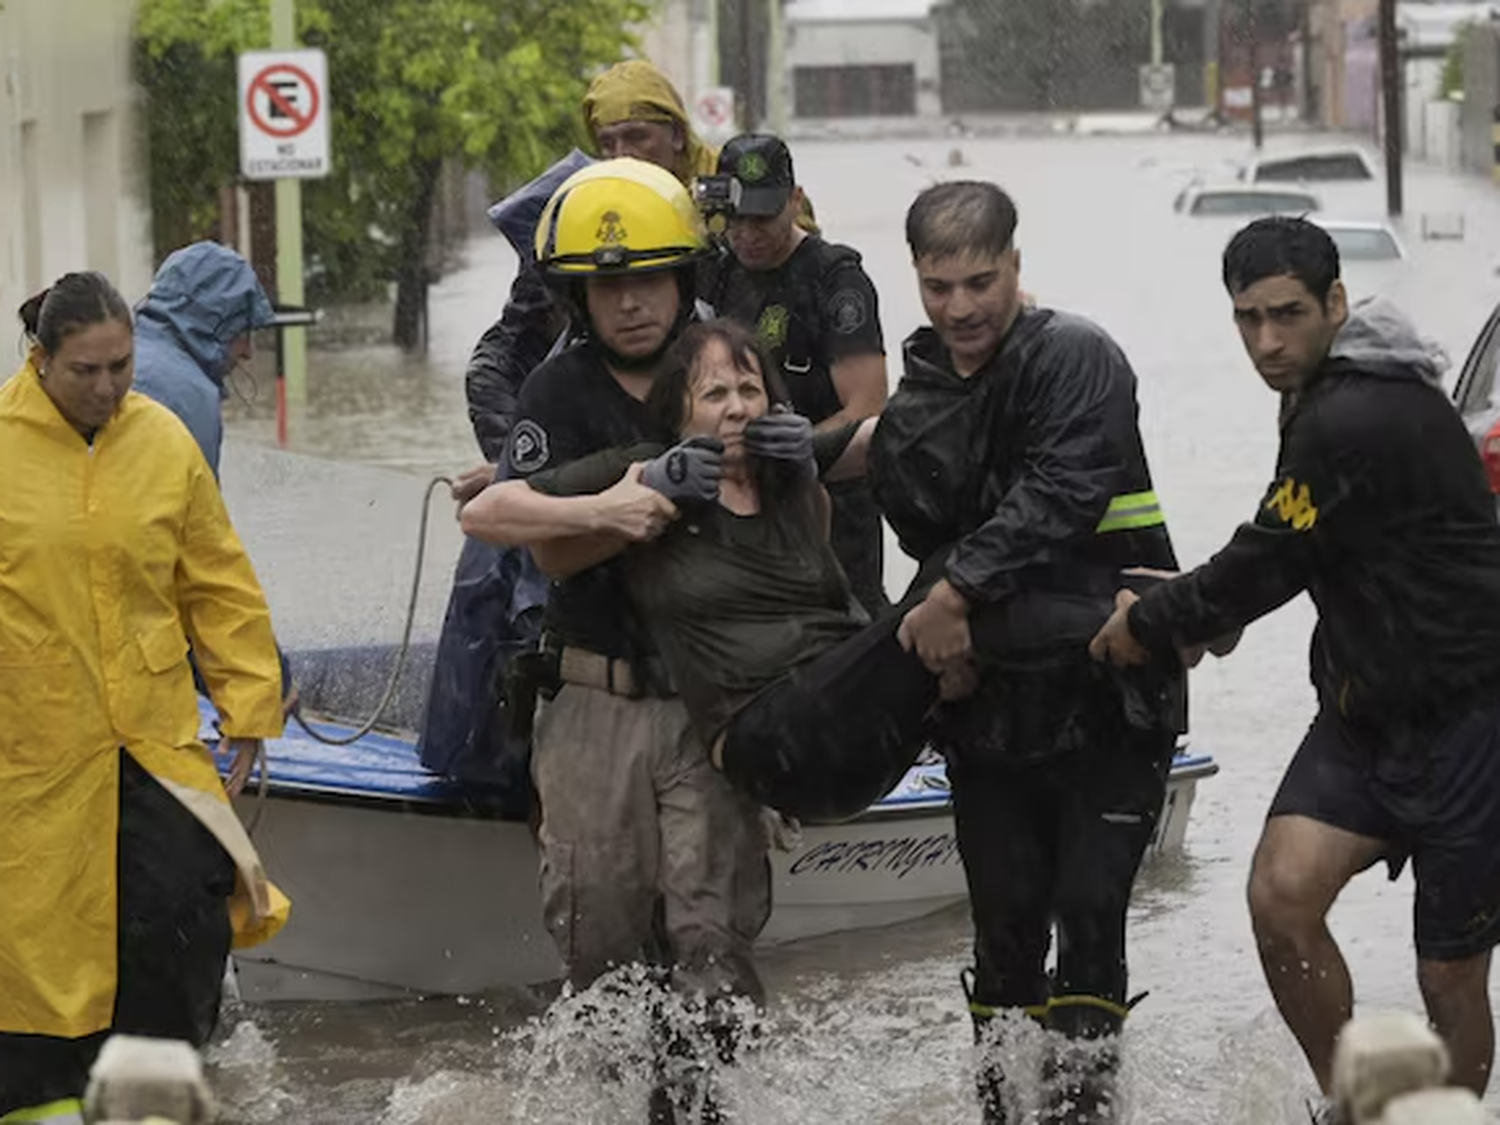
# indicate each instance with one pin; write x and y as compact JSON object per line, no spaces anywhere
{"x":283,"y":115}
{"x":713,"y":112}
{"x":1158,"y":86}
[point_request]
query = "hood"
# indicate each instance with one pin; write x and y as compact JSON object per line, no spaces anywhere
{"x":516,"y":216}
{"x":205,"y":296}
{"x":634,"y":90}
{"x":1378,"y":339}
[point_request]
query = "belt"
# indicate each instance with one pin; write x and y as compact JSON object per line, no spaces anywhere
{"x":595,"y":670}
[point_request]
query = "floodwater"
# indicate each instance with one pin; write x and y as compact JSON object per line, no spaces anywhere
{"x":872,"y":1027}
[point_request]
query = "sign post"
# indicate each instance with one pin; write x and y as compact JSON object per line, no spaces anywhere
{"x":1158,"y":86}
{"x":284,"y":137}
{"x":713,"y":113}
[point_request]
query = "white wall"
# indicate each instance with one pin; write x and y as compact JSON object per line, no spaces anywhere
{"x":871,"y":43}
{"x":72,"y":189}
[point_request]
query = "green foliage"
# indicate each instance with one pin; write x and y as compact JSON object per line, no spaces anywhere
{"x":1451,"y":81}
{"x":491,"y":84}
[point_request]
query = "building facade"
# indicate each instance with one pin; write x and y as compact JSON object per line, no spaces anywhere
{"x":72,"y":173}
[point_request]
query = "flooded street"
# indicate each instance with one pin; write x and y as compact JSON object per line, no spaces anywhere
{"x":872,"y":1027}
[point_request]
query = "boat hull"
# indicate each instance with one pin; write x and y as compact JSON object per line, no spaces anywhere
{"x":394,"y":897}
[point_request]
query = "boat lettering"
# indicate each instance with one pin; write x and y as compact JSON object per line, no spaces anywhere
{"x":902,"y":855}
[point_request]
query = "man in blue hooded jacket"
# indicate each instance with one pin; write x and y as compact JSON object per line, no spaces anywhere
{"x":191,"y":329}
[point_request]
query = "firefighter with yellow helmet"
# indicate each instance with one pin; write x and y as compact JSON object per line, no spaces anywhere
{"x":648,"y":855}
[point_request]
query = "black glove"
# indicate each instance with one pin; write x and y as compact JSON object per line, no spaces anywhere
{"x":781,"y":436}
{"x":690,"y":470}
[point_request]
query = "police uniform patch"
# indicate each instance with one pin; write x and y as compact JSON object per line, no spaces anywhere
{"x":772,"y":326}
{"x":529,"y":450}
{"x":752,"y":167}
{"x":847,"y":311}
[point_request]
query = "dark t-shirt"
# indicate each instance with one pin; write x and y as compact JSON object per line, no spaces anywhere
{"x":816,"y":308}
{"x":572,"y":406}
{"x":733,"y":602}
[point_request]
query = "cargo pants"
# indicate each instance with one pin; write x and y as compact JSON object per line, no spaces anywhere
{"x":648,"y":854}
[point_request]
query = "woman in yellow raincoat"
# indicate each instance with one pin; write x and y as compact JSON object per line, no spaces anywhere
{"x":124,"y":873}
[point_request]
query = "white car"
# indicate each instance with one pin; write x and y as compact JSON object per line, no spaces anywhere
{"x":1210,"y":200}
{"x":1319,"y":165}
{"x":1363,"y":241}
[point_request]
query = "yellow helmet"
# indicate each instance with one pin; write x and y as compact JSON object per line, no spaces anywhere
{"x":619,"y":216}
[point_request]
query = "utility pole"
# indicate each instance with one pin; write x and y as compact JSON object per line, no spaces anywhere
{"x":1390,"y":94}
{"x":1252,"y":38}
{"x":1156,"y":6}
{"x":289,"y":290}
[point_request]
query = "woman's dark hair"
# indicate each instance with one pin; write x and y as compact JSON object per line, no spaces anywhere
{"x":1282,"y":246}
{"x":74,"y":302}
{"x":670,"y":390}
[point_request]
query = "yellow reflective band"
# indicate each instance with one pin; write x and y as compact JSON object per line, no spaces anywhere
{"x":64,"y":1112}
{"x":1131,"y":510}
{"x":1090,"y":1002}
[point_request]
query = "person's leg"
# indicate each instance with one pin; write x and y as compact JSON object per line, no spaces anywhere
{"x":1323,"y":828}
{"x":836,"y":734}
{"x":716,"y":896}
{"x":1111,"y":794}
{"x":598,"y":837}
{"x":1457,"y":995}
{"x":1452,"y":810}
{"x":1003,"y":818}
{"x":175,"y":881}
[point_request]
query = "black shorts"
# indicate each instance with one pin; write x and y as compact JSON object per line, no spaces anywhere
{"x":1436,"y":801}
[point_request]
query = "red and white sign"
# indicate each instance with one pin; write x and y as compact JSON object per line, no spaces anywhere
{"x":283,"y":114}
{"x":713,"y":112}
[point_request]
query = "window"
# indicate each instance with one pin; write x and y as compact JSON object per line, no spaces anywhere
{"x":1476,"y":385}
{"x":1314,"y":167}
{"x":1360,"y":244}
{"x":855,"y":91}
{"x":1253,"y":203}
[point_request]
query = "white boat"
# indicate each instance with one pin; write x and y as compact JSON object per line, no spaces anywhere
{"x":402,"y":884}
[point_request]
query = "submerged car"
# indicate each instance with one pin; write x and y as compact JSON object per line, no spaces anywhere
{"x":1244,"y":199}
{"x":1363,"y":241}
{"x":1309,"y":166}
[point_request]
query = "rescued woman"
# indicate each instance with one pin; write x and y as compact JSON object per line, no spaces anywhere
{"x":124,"y":874}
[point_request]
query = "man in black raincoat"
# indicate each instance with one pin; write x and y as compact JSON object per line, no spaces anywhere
{"x":1012,"y":438}
{"x":1380,"y":510}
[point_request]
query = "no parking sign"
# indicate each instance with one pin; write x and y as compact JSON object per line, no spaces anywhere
{"x":283,"y":114}
{"x":713,"y":112}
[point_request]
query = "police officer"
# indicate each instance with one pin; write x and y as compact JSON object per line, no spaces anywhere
{"x":647,"y":853}
{"x":815,"y":310}
{"x":1012,"y":441}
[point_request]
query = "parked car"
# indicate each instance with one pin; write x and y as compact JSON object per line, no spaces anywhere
{"x":1309,"y":166}
{"x":1363,"y":241}
{"x":1243,"y":199}
{"x":1474,"y":395}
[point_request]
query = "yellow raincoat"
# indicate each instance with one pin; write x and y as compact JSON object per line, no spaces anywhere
{"x":111,"y":558}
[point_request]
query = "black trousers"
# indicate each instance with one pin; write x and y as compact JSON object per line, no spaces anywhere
{"x":1056,"y":842}
{"x":174,"y":882}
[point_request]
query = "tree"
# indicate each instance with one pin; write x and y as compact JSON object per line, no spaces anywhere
{"x":492,"y":84}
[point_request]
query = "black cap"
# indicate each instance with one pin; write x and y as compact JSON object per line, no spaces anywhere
{"x":763,"y":166}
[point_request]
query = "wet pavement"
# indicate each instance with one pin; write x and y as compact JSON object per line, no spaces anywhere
{"x":871,"y":1026}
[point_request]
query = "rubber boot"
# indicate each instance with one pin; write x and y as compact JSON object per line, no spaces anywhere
{"x":1082,"y":1073}
{"x":989,"y":1078}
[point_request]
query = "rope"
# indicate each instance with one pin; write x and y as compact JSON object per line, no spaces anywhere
{"x":401,"y":653}
{"x":261,"y":762}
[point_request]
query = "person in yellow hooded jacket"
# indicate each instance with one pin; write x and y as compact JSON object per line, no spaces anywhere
{"x":124,"y":874}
